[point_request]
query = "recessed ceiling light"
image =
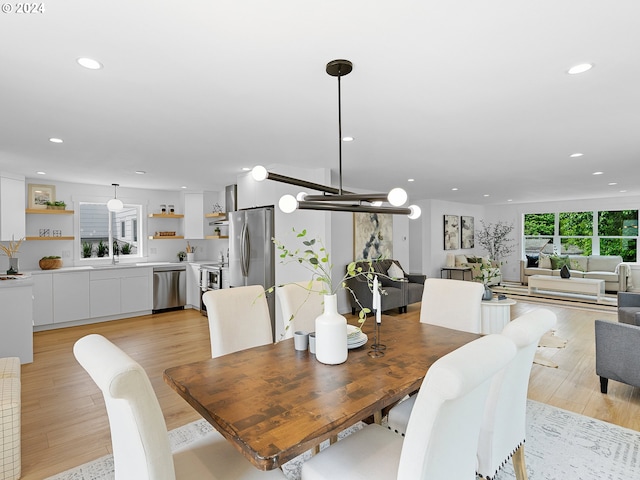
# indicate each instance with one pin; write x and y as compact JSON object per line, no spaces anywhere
{"x":89,"y":63}
{"x":510,"y":200}
{"x":140,"y":172}
{"x":410,"y":180}
{"x":184,"y":186}
{"x":574,"y":155}
{"x":623,"y":191}
{"x":55,"y":140}
{"x":41,"y":173}
{"x":486,"y":195}
{"x":454,"y":188}
{"x":612,"y":183}
{"x":581,"y":68}
{"x":246,"y":169}
{"x":347,"y":139}
{"x":597,"y":173}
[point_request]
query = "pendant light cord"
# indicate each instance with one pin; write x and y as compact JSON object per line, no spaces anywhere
{"x":340,"y":132}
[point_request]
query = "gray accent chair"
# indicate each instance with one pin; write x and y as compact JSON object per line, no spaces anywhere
{"x":629,"y":308}
{"x":399,"y":293}
{"x":617,"y":353}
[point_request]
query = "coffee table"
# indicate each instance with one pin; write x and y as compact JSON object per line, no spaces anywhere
{"x":586,"y":286}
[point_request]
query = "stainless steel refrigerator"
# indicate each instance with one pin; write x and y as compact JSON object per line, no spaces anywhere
{"x":251,"y":252}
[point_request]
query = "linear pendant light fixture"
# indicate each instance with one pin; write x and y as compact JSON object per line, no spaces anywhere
{"x":336,"y":199}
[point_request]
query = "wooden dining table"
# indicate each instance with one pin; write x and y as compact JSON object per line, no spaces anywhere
{"x":274,"y":402}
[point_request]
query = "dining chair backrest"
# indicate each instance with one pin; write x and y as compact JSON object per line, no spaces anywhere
{"x":503,"y":426}
{"x":442,"y":433}
{"x":301,"y":303}
{"x":238,"y":319}
{"x":453,"y":304}
{"x":139,"y":437}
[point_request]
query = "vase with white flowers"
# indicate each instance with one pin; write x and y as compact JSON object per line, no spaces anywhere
{"x":331,"y":327}
{"x":11,"y":251}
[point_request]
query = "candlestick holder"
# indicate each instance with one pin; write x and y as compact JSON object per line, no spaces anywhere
{"x":377,"y":347}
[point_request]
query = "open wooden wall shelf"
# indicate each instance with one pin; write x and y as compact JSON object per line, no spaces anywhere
{"x":166,"y":237}
{"x":48,"y":211}
{"x":166,"y":215}
{"x":215,"y":237}
{"x":50,"y":238}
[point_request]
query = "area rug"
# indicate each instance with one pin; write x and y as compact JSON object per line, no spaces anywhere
{"x":560,"y":446}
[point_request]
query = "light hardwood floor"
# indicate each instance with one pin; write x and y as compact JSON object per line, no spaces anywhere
{"x":64,"y":422}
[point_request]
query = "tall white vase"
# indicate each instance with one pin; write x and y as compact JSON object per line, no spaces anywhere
{"x":331,"y":334}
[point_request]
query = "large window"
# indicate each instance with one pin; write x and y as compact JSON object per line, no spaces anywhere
{"x":583,"y":233}
{"x":104,"y":234}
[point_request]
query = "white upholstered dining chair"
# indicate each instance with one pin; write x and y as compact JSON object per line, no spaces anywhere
{"x":442,"y":436}
{"x":301,"y":303}
{"x":453,"y":304}
{"x":141,"y":449}
{"x":502,"y":433}
{"x":238,"y":319}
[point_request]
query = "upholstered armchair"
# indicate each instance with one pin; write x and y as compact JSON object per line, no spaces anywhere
{"x":401,"y":289}
{"x":617,"y":353}
{"x":629,"y":308}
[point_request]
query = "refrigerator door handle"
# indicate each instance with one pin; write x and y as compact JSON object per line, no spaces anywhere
{"x":244,"y":250}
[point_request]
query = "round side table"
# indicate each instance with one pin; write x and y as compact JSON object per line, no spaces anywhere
{"x":495,"y":314}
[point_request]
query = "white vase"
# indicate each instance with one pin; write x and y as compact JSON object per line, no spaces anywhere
{"x":190,"y":257}
{"x":13,"y":265}
{"x":331,"y":334}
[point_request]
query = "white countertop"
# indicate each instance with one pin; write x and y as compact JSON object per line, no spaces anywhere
{"x":12,"y":281}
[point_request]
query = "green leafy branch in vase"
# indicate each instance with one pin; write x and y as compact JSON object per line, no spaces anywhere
{"x":314,"y":257}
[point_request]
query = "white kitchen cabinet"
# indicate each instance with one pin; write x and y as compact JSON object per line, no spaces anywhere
{"x":16,"y":320}
{"x":71,"y":296}
{"x":42,"y":299}
{"x":135,"y":290}
{"x":193,"y":285}
{"x":104,"y":294}
{"x":12,"y":195}
{"x":194,"y":215}
{"x":120,"y":291}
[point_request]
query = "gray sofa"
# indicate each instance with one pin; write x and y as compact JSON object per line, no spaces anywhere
{"x":399,"y":293}
{"x":617,"y":353}
{"x":601,"y":267}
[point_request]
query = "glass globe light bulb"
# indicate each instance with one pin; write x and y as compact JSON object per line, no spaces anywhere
{"x":415,"y":212}
{"x":397,"y":197}
{"x":288,"y":203}
{"x":259,"y":173}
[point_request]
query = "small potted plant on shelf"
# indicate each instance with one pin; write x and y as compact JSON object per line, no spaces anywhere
{"x":181,"y":256}
{"x":126,"y":249}
{"x":57,"y":205}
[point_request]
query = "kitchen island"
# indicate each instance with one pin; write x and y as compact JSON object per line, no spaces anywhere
{"x":16,"y":317}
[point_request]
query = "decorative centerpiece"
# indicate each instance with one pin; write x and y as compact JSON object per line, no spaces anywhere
{"x":50,"y":263}
{"x":57,"y":205}
{"x":12,"y":251}
{"x":331,"y":327}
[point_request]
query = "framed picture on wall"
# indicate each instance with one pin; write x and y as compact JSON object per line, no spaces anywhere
{"x":451,"y":232}
{"x":39,"y":195}
{"x":466,"y":232}
{"x":372,"y":236}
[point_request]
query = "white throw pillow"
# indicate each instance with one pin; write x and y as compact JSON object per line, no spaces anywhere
{"x":395,"y":271}
{"x":544,"y":261}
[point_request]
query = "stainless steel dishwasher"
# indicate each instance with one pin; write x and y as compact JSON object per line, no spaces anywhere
{"x":169,"y":286}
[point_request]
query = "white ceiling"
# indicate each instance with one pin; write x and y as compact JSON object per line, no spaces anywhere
{"x":465,"y":94}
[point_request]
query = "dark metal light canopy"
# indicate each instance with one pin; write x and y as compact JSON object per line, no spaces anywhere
{"x":336,"y":199}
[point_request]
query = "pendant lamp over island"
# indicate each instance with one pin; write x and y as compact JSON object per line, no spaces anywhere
{"x":336,"y":199}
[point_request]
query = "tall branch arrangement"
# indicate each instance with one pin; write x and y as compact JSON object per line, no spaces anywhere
{"x":313,"y":256}
{"x":493,"y":238}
